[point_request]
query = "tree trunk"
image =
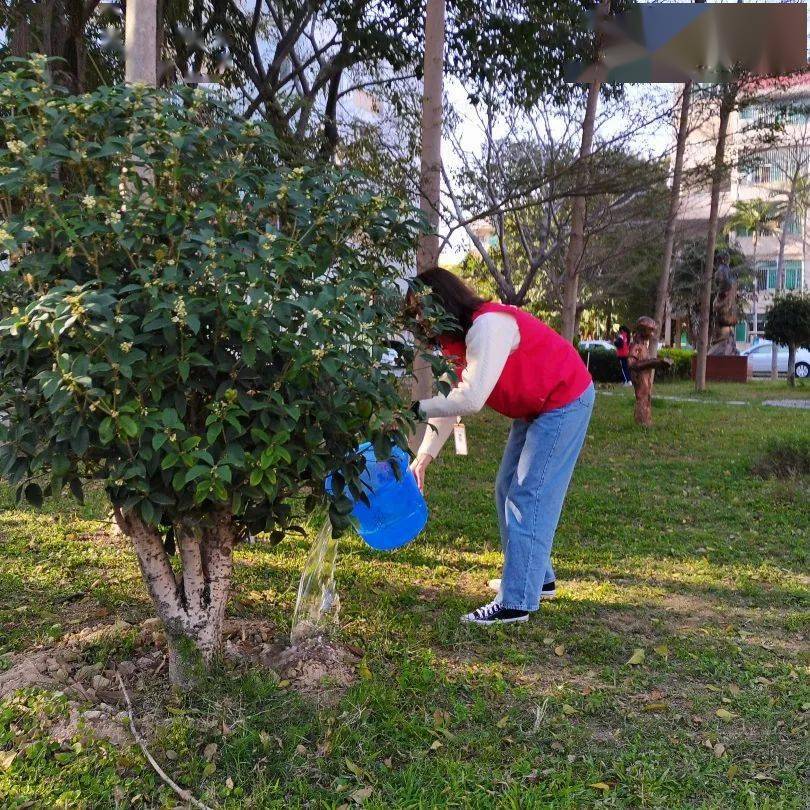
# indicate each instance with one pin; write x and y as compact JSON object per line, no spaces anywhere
{"x":140,"y":42}
{"x":780,"y":263}
{"x":427,"y":254}
{"x":791,"y":369}
{"x":191,"y":608}
{"x":756,"y":287}
{"x":672,"y":217}
{"x":576,"y":242}
{"x":726,"y":106}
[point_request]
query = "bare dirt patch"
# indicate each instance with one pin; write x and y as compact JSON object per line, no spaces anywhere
{"x":316,"y":668}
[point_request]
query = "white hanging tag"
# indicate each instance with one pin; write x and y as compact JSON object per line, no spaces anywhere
{"x":460,"y":437}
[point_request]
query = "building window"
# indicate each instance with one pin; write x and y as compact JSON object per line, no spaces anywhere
{"x":767,"y":275}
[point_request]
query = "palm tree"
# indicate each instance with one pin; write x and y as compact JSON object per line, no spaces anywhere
{"x":755,"y":217}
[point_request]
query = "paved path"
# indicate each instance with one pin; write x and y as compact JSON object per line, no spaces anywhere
{"x":685,"y":399}
{"x":802,"y":404}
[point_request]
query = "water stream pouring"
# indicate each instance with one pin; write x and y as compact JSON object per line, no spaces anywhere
{"x":395,"y":515}
{"x":317,"y":604}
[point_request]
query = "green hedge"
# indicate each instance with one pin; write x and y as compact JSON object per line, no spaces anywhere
{"x":604,"y":365}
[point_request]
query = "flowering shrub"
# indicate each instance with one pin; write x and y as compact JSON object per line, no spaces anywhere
{"x":201,"y":326}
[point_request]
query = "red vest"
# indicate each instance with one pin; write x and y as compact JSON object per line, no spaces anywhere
{"x":544,"y":372}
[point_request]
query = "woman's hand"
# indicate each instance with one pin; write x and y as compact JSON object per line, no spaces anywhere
{"x":418,"y":467}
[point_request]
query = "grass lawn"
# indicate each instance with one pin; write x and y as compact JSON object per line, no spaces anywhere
{"x":671,"y":670}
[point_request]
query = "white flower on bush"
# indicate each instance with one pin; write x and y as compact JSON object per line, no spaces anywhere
{"x":179,"y":311}
{"x":113,"y":218}
{"x":16,"y":147}
{"x":88,"y":201}
{"x":5,"y":236}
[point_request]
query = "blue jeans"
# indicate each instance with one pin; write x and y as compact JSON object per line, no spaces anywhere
{"x":530,"y":490}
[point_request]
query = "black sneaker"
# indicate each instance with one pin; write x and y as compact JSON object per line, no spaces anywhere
{"x":495,"y":613}
{"x":549,"y":591}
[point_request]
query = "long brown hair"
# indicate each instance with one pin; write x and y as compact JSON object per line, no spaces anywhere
{"x":457,"y":297}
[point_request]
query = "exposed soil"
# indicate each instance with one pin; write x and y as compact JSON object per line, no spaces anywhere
{"x":316,"y":668}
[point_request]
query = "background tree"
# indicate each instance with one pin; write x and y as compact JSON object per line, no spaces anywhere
{"x":687,"y":281}
{"x":199,"y":338}
{"x":755,"y":217}
{"x":789,"y":325}
{"x":724,"y":96}
{"x":520,"y":188}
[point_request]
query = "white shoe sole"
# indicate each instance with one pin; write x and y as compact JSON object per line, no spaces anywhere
{"x":467,"y":620}
{"x":495,"y":585}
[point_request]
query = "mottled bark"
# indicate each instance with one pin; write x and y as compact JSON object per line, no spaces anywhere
{"x":192,"y":605}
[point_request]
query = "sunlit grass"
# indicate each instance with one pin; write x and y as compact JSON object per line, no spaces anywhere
{"x":668,"y":545}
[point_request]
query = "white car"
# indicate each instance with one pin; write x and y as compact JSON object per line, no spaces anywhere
{"x":759,"y":360}
{"x":590,"y":345}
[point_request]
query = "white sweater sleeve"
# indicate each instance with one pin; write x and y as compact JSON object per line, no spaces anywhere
{"x":490,"y":340}
{"x":438,"y":432}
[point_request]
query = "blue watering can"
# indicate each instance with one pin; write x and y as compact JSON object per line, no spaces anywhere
{"x":397,"y":512}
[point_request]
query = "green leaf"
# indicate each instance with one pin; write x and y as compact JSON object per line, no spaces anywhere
{"x":128,"y":426}
{"x":196,"y":471}
{"x":106,"y":430}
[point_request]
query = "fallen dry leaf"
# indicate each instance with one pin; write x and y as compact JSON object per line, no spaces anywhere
{"x":600,"y":786}
{"x":568,"y":709}
{"x":559,"y":649}
{"x":360,"y":795}
{"x":719,"y":749}
{"x":764,"y":777}
{"x":662,"y":650}
{"x":656,"y":706}
{"x":436,"y":745}
{"x":209,"y":751}
{"x":637,"y":657}
{"x":6,"y":758}
{"x":300,"y":749}
{"x":732,"y":771}
{"x":725,"y":714}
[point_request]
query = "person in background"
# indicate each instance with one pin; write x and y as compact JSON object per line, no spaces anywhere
{"x":622,"y":344}
{"x":641,"y":368}
{"x":512,"y":362}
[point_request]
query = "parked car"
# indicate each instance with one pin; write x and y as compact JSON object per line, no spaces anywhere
{"x":590,"y":345}
{"x":759,"y":360}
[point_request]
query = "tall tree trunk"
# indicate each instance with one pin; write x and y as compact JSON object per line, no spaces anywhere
{"x":726,"y":106}
{"x":191,"y":608}
{"x":756,"y":284}
{"x":780,"y":263}
{"x":140,"y":42}
{"x":672,"y":217}
{"x":791,"y":369}
{"x":427,"y":254}
{"x":576,"y":242}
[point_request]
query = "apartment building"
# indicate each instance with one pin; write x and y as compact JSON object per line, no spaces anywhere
{"x":762,"y":160}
